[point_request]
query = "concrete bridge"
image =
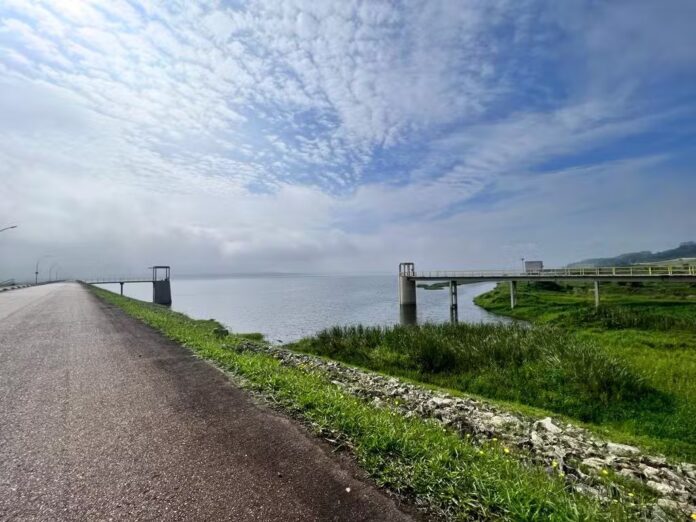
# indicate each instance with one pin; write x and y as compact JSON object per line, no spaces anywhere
{"x":408,"y":277}
{"x":160,"y":279}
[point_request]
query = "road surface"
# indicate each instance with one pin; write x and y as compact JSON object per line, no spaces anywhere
{"x":102,"y":418}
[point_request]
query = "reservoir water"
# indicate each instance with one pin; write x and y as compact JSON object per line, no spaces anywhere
{"x":288,"y":307}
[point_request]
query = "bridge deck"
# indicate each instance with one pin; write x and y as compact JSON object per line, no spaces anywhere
{"x":109,"y":281}
{"x":627,"y":274}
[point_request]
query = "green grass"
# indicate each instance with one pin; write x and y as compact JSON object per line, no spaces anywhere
{"x":411,"y":456}
{"x":539,"y":367}
{"x":650,"y":327}
{"x":542,"y":367}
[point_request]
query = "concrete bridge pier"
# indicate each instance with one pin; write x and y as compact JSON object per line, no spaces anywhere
{"x":454,"y":312}
{"x":121,"y":283}
{"x":407,"y":285}
{"x":407,"y":291}
{"x":408,"y":315}
{"x":513,"y":294}
{"x":161,"y":292}
{"x":407,"y":301}
{"x":596,"y":294}
{"x":407,"y":294}
{"x":161,"y":288}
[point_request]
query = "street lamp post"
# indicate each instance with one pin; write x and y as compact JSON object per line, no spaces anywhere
{"x":8,"y":228}
{"x":36,"y":271}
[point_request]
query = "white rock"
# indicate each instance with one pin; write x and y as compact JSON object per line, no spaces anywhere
{"x":660,"y":487}
{"x":668,"y":504}
{"x":658,"y":514}
{"x":627,"y":472}
{"x":536,"y":439}
{"x":500,"y":420}
{"x":547,"y":425}
{"x":671,"y":476}
{"x":622,"y":450}
{"x":440,"y":402}
{"x":656,"y":461}
{"x":649,"y":472}
{"x":377,"y":402}
{"x":594,"y":463}
{"x":587,"y":490}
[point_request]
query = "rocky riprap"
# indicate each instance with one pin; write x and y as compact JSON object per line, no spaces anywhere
{"x":572,"y":452}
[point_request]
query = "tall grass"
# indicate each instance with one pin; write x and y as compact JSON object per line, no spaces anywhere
{"x":619,"y":317}
{"x":650,"y":327}
{"x":538,"y":366}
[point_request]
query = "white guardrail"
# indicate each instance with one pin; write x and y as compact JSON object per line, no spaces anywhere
{"x":618,"y":271}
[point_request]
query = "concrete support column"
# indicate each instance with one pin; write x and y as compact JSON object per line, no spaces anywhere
{"x":454,"y":312}
{"x":407,"y":291}
{"x":513,"y":294}
{"x":161,"y":292}
{"x":408,"y":315}
{"x":596,"y":294}
{"x":121,"y":288}
{"x":407,"y":294}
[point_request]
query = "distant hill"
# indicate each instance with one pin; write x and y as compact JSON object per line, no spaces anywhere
{"x":684,"y":250}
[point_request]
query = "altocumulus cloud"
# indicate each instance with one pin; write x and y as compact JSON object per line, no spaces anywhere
{"x":341,"y":135}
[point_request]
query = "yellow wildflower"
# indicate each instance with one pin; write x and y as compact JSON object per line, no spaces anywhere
{"x":605,"y":472}
{"x":506,"y":450}
{"x":554,"y":464}
{"x":693,"y":516}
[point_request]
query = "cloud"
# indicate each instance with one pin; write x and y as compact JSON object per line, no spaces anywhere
{"x":306,"y":135}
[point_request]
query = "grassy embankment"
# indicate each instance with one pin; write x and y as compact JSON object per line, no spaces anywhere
{"x":650,"y":327}
{"x":627,"y":371}
{"x":414,"y":457}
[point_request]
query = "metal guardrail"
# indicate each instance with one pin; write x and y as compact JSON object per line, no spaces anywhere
{"x":618,"y":271}
{"x":158,"y":273}
{"x":119,"y":279}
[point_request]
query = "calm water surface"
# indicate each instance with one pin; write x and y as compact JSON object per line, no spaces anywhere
{"x":288,"y":307}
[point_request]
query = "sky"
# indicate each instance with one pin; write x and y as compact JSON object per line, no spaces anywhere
{"x":342,"y":136}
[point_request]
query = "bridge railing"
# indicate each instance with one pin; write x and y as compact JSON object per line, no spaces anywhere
{"x":118,"y":279}
{"x":617,"y":271}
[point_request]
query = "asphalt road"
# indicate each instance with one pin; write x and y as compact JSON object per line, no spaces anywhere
{"x":102,"y":418}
